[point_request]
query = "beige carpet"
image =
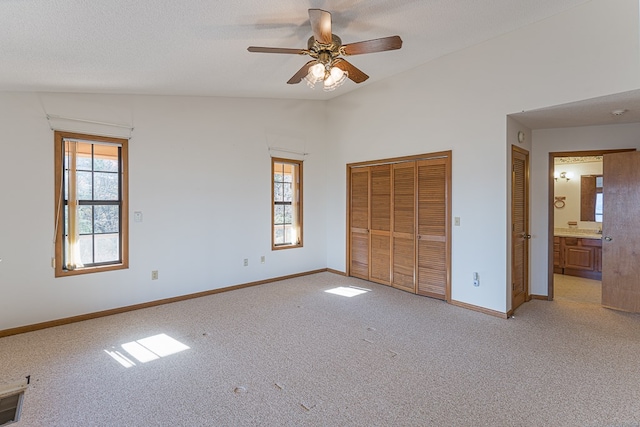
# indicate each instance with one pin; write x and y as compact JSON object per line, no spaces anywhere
{"x":577,"y":289}
{"x":290,"y":354}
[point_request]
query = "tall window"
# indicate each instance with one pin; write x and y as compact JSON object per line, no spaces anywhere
{"x":287,"y":203}
{"x":91,"y":204}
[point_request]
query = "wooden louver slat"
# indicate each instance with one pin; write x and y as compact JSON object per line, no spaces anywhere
{"x":519,"y":225}
{"x":360,"y":255}
{"x":360,"y":198}
{"x":518,"y":195}
{"x":403,"y":198}
{"x":381,"y":198}
{"x":359,"y":227}
{"x":380,"y":236}
{"x":432,"y":227}
{"x":380,"y":258}
{"x":403,"y":227}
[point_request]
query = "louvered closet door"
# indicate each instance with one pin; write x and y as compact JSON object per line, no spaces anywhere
{"x":403,"y":226}
{"x":520,"y":227}
{"x":380,"y":234}
{"x":359,"y":226}
{"x":433,"y":227}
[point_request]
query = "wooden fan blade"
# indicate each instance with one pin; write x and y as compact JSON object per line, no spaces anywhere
{"x":276,"y":50}
{"x":297,"y":77}
{"x":321,"y":25}
{"x":353,"y":73}
{"x":371,"y":46}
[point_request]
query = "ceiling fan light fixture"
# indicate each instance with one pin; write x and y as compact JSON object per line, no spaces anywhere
{"x":329,"y":81}
{"x":317,"y":71}
{"x":335,"y":78}
{"x":310,"y":82}
{"x":337,"y":74}
{"x":331,"y":77}
{"x":316,"y":74}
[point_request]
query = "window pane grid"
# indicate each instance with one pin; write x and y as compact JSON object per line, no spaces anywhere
{"x":98,"y":244}
{"x":286,"y":224}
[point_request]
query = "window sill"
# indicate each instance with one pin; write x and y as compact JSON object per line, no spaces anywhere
{"x":87,"y":270}
{"x":277,"y":248}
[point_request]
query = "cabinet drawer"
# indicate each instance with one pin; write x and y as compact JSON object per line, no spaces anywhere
{"x":571,"y":241}
{"x":596,"y":243}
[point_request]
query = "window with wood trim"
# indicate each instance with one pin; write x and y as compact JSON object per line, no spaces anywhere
{"x":91,"y":212}
{"x":286,"y":203}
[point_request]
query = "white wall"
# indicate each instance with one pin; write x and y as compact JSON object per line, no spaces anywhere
{"x":459,"y":102}
{"x":199,"y":172}
{"x":546,"y":141}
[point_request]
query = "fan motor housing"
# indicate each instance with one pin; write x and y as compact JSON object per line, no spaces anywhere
{"x":316,"y":48}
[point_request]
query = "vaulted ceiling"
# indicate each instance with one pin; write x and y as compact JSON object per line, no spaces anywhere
{"x":199,"y":47}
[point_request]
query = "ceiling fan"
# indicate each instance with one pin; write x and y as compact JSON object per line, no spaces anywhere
{"x":327,"y":50}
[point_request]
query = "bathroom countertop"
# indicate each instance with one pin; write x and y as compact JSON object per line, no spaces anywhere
{"x":578,"y":234}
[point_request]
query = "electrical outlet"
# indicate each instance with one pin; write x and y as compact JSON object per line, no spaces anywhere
{"x":262,"y":259}
{"x":246,"y":262}
{"x":476,"y":279}
{"x":154,"y":275}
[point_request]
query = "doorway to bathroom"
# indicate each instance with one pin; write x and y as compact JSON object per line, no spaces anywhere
{"x":577,"y":212}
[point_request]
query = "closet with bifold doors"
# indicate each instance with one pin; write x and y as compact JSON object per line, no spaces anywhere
{"x":399,"y":223}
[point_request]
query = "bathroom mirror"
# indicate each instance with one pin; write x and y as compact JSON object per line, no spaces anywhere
{"x":591,"y":198}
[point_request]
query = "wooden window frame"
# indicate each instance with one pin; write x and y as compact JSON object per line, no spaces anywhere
{"x":299,"y":211}
{"x":59,"y":149}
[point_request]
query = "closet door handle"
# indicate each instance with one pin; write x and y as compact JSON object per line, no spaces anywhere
{"x":608,"y":238}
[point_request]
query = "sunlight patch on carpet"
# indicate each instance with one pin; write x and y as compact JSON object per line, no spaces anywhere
{"x":147,"y":349}
{"x":348,"y":292}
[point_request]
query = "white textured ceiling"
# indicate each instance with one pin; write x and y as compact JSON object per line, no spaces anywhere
{"x":588,"y":112}
{"x":199,"y":47}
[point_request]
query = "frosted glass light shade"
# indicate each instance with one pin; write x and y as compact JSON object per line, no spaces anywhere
{"x":317,"y":71}
{"x":335,"y":79}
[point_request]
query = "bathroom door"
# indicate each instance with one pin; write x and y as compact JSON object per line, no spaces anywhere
{"x":621,"y":232}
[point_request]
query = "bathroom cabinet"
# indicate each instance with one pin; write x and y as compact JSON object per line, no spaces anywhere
{"x":576,"y":256}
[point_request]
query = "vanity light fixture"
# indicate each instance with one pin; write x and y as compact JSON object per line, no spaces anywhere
{"x":563,"y":175}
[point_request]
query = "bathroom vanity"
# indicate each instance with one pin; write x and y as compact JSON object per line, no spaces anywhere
{"x":578,"y":254}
